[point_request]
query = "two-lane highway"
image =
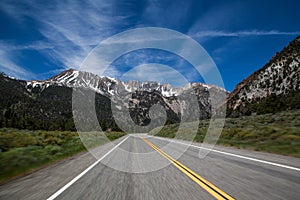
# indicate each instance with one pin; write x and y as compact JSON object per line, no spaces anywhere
{"x":178,"y":173}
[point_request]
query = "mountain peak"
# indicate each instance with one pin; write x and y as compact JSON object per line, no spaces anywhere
{"x":63,"y":74}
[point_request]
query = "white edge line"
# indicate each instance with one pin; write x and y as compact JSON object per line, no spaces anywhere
{"x":234,"y":155}
{"x":61,"y":190}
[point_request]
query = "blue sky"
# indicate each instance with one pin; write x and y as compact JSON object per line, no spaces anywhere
{"x":39,"y":39}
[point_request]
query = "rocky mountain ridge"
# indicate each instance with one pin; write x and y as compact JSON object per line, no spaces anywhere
{"x":280,"y":78}
{"x":110,"y":86}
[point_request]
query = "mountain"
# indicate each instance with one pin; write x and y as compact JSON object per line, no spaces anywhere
{"x":110,"y":86}
{"x":19,"y":108}
{"x":48,"y":104}
{"x":274,"y":87}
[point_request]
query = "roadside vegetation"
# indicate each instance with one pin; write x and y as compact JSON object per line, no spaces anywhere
{"x":22,"y":151}
{"x":275,"y":133}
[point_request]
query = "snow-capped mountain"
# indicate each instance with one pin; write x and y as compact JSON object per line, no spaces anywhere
{"x":73,"y":78}
{"x":111,"y":86}
{"x":280,"y":77}
{"x":48,"y":103}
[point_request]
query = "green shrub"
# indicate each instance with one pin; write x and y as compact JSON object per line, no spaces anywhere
{"x":21,"y":159}
{"x":276,"y":133}
{"x":53,"y":149}
{"x":22,"y":150}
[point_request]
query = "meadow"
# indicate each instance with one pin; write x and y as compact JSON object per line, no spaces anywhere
{"x":22,"y":151}
{"x":275,"y":133}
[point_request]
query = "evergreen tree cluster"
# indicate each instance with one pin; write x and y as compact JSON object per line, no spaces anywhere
{"x":50,"y":109}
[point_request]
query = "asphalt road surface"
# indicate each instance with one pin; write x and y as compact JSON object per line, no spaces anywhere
{"x":143,"y":167}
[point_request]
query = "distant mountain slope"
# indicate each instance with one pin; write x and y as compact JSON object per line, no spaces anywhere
{"x":48,"y":104}
{"x":22,"y":109}
{"x":274,"y":87}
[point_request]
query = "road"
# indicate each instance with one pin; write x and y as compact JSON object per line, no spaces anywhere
{"x":159,"y":168}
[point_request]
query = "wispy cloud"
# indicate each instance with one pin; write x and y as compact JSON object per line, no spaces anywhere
{"x":75,"y":29}
{"x":155,"y":72}
{"x":221,"y":20}
{"x":70,"y":29}
{"x":133,"y":59}
{"x":8,"y":66}
{"x":35,"y":45}
{"x":153,"y":65}
{"x":248,"y":33}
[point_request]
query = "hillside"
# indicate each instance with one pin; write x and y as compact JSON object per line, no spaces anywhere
{"x":274,"y":87}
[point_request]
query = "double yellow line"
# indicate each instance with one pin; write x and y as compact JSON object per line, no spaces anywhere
{"x":209,"y":187}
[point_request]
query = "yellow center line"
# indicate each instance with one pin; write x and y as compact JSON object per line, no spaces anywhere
{"x":209,"y":187}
